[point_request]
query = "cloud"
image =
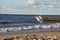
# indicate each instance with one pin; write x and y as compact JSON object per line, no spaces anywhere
{"x":33,"y":6}
{"x":31,"y":1}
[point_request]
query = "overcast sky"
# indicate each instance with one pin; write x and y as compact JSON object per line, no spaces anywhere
{"x":45,"y":7}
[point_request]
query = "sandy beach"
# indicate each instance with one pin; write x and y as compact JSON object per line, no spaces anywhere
{"x":23,"y":36}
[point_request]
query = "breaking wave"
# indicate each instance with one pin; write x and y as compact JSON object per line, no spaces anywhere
{"x":31,"y":27}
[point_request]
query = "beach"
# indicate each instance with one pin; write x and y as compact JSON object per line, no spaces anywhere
{"x":24,"y":36}
{"x":25,"y":27}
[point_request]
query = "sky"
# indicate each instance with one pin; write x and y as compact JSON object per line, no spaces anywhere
{"x":10,"y":1}
{"x":40,"y":7}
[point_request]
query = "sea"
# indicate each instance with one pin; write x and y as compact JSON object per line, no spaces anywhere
{"x":18,"y":23}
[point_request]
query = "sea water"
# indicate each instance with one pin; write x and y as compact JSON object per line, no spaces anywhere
{"x":10,"y":23}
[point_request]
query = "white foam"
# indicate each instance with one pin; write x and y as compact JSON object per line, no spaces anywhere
{"x":43,"y":26}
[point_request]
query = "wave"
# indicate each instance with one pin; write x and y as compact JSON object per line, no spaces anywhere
{"x":29,"y":28}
